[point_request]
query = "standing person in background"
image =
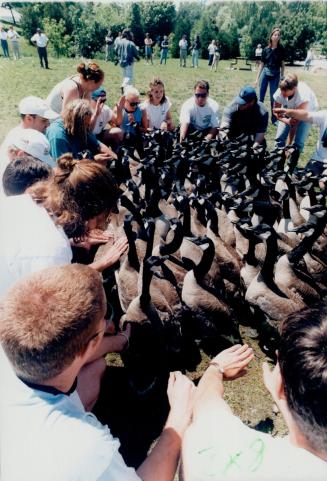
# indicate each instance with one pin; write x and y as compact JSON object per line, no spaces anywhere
{"x":127,"y":52}
{"x":14,"y":36}
{"x":40,"y":40}
{"x":211,"y":50}
{"x":182,"y":51}
{"x":116,"y":42}
{"x":271,"y":69}
{"x":109,"y":40}
{"x":257,"y":54}
{"x":195,"y":49}
{"x":4,"y":42}
{"x":148,"y":49}
{"x":308,"y":59}
{"x":164,"y":50}
{"x":216,"y":57}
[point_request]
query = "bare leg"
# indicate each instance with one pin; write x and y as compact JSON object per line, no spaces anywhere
{"x":88,"y":382}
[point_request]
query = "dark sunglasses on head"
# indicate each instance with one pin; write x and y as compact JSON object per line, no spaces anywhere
{"x":201,"y":96}
{"x":133,"y":104}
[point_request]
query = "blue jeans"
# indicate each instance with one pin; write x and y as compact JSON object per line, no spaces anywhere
{"x":127,"y":75}
{"x":301,"y":134}
{"x":195,"y":58}
{"x":273,"y":86}
{"x":5,"y":49}
{"x":163,"y":57}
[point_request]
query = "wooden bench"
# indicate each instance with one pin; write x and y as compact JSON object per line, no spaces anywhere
{"x":246,"y":66}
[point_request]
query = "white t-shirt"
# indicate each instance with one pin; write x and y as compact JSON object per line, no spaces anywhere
{"x":40,"y":39}
{"x":156,"y":113}
{"x":103,"y":118}
{"x":182,"y":44}
{"x":3,"y":35}
{"x":29,"y":241}
{"x":320,"y":119}
{"x":200,"y":117}
{"x":51,"y":438}
{"x":219,"y":447}
{"x":13,"y":35}
{"x":212,"y":49}
{"x":302,"y":94}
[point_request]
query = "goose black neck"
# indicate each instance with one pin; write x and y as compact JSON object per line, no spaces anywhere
{"x":206,"y":261}
{"x":307,"y":242}
{"x":132,"y":252}
{"x":150,"y":237}
{"x":145,"y":296}
{"x":250,"y":257}
{"x":286,"y":208}
{"x":176,"y":242}
{"x":271,"y":256}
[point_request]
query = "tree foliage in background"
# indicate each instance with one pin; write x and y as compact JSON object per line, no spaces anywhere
{"x":238,"y":26}
{"x":59,"y":41}
{"x":158,"y":17}
{"x":135,"y":23}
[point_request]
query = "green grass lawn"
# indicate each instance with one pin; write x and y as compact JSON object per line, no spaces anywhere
{"x":25,"y":77}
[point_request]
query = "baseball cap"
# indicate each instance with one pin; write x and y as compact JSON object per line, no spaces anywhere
{"x":247,"y":94}
{"x":35,"y":144}
{"x":36,"y":106}
{"x":100,"y":92}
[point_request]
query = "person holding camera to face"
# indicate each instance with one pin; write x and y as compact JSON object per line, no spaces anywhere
{"x":318,"y":162}
{"x":72,"y":133}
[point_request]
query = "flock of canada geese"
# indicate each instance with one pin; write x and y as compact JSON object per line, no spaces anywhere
{"x":220,"y":234}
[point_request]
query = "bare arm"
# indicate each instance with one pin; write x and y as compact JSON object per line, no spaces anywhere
{"x":168,"y":123}
{"x":298,"y":114}
{"x":144,"y":121}
{"x":105,"y":154}
{"x":210,"y":390}
{"x":292,"y":119}
{"x":183,"y":131}
{"x":212,"y":133}
{"x":259,"y":73}
{"x":117,"y":118}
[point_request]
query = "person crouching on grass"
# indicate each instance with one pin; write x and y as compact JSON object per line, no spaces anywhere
{"x":133,"y":119}
{"x":157,"y":106}
{"x":47,"y":343}
{"x":219,"y":447}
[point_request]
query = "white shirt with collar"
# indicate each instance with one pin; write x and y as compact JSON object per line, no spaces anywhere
{"x":40,"y":39}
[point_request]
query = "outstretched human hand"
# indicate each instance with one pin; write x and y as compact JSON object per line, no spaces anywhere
{"x":232,"y":362}
{"x":94,"y":237}
{"x":180,"y":393}
{"x":114,"y":253}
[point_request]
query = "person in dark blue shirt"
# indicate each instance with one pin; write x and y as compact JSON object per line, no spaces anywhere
{"x":246,"y":115}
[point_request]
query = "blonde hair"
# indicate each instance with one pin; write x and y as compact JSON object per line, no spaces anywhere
{"x":289,"y":82}
{"x":43,"y":336}
{"x":74,"y":119}
{"x":129,"y":90}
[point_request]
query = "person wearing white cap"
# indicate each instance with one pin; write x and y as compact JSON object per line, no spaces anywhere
{"x":27,"y":141}
{"x":34,"y":143}
{"x":35,"y":114}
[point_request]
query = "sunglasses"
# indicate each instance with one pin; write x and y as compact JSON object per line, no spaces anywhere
{"x":201,"y":96}
{"x":133,"y":104}
{"x":103,"y":100}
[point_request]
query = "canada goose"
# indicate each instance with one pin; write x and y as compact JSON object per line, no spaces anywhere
{"x":216,"y":322}
{"x":127,"y":275}
{"x":263,"y":291}
{"x":288,"y":273}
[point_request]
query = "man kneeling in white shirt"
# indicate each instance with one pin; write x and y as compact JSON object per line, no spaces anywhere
{"x":199,"y":112}
{"x":51,"y":325}
{"x":219,"y":447}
